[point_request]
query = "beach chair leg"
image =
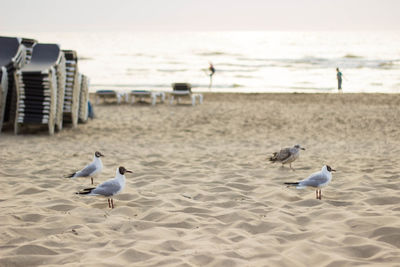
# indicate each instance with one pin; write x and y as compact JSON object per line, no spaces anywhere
{"x":153,"y":100}
{"x":171,"y":100}
{"x":162,"y":97}
{"x":97,"y":99}
{"x":201,"y":99}
{"x":193,"y":100}
{"x":126,"y":98}
{"x":16,"y":128}
{"x":109,"y":203}
{"x":132,"y":99}
{"x":118,"y":98}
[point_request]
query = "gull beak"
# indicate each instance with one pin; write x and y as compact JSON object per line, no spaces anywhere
{"x":333,"y":170}
{"x":128,"y":171}
{"x":302,"y":148}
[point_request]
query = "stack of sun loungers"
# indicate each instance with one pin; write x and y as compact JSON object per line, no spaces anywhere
{"x":38,"y":88}
{"x":84,"y":98}
{"x":12,"y":57}
{"x":40,"y":85}
{"x":72,"y":88}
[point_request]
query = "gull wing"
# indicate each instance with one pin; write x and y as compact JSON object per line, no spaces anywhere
{"x":108,"y":188}
{"x":284,"y":154}
{"x":87,"y":171}
{"x":315,"y":180}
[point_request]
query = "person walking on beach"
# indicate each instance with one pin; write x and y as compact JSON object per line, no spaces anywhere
{"x":339,"y":79}
{"x":212,"y":71}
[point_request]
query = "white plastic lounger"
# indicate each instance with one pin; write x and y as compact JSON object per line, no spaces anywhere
{"x":37,"y":86}
{"x":12,"y":57}
{"x":184,"y":90}
{"x":72,"y":88}
{"x":141,"y":94}
{"x":3,"y":93}
{"x":108,"y":94}
{"x":84,"y":99}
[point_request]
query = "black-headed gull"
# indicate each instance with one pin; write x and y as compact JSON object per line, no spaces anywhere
{"x":287,"y":155}
{"x":109,"y":188}
{"x":316,"y":180}
{"x":92,"y":169}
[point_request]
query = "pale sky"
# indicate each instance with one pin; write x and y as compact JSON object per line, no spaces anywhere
{"x":198,"y":15}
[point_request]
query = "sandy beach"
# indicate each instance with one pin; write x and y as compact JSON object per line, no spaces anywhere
{"x":202,"y":192}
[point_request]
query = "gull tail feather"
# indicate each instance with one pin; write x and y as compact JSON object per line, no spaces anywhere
{"x":85,"y":191}
{"x":294,"y":184}
{"x":70,"y":175}
{"x":274,"y":157}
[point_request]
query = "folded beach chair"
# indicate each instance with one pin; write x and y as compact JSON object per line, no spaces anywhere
{"x":37,"y":85}
{"x":72,"y":88}
{"x":108,"y":94}
{"x":184,"y":90}
{"x":29,"y":44}
{"x":12,"y":57}
{"x":3,"y":93}
{"x":142,"y":94}
{"x":84,"y":99}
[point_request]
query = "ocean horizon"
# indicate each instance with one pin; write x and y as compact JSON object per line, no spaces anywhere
{"x":246,"y":62}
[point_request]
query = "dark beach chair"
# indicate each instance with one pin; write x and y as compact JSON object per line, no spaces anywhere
{"x":72,"y":88}
{"x":84,"y":99}
{"x":12,"y":57}
{"x":184,"y":90}
{"x":38,"y":84}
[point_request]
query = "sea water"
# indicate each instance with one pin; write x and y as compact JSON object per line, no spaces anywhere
{"x":244,"y":61}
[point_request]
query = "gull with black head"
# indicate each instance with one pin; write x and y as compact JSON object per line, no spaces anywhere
{"x":287,"y":155}
{"x":109,"y":188}
{"x":316,"y":180}
{"x":92,"y":169}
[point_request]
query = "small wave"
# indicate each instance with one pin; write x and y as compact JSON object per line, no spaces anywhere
{"x":216,"y":53}
{"x":171,"y":70}
{"x":352,"y":56}
{"x":130,"y":70}
{"x":386,"y":65}
{"x":244,"y":76}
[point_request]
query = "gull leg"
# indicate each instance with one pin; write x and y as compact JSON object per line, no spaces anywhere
{"x":319,"y":194}
{"x":109,"y":203}
{"x":112,"y":203}
{"x":91,"y":178}
{"x":290,"y":164}
{"x":316,"y":194}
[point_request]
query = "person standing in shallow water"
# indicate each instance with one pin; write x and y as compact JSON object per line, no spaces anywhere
{"x":212,"y":71}
{"x":339,"y":79}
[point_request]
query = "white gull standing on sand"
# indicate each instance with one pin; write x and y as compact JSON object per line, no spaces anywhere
{"x":316,"y":180}
{"x":92,"y":169}
{"x":109,"y":188}
{"x":287,"y":155}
